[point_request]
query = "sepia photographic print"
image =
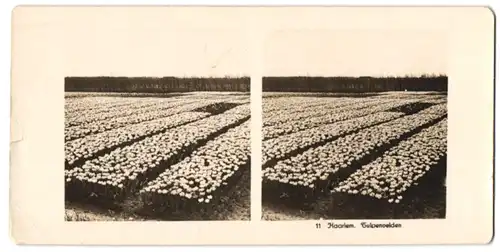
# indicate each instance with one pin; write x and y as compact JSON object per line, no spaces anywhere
{"x":164,"y":148}
{"x":366,"y":141}
{"x":177,"y":125}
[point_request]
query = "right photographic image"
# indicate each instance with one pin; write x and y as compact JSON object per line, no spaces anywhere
{"x":354,"y":124}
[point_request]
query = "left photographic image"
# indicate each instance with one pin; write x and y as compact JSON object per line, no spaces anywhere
{"x":157,"y":148}
{"x":157,"y":118}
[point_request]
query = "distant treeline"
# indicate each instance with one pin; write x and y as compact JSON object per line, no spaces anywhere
{"x":155,"y":84}
{"x":354,"y":84}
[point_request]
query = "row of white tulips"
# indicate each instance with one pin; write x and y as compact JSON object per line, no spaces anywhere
{"x":283,"y":103}
{"x":336,"y":116}
{"x":121,"y":167}
{"x":113,"y":123}
{"x":391,"y":175}
{"x":441,"y":108}
{"x":114,"y":112}
{"x":278,"y":148}
{"x":207,"y":169}
{"x":86,"y":147}
{"x":239,"y":110}
{"x":77,"y":107}
{"x":299,"y":104}
{"x":336,"y":106}
{"x":321,"y":162}
{"x":98,"y":103}
{"x":276,"y":94}
{"x":411,"y":94}
{"x":436,"y":100}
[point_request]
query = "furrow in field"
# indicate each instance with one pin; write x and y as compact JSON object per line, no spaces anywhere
{"x":282,"y":147}
{"x":82,"y":149}
{"x":113,"y":123}
{"x":124,"y":170}
{"x":401,"y":167}
{"x":203,"y":175}
{"x":440,"y":108}
{"x":110,"y":113}
{"x":290,"y":127}
{"x":318,"y":167}
{"x":283,"y":117}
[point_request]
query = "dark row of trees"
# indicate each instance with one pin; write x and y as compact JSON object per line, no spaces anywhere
{"x":354,"y":84}
{"x":155,"y":84}
{"x":242,"y":84}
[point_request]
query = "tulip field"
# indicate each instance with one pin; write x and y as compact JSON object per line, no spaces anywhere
{"x":182,"y":157}
{"x":354,"y":157}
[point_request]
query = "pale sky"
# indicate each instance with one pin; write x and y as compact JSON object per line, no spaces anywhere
{"x":169,"y":42}
{"x":150,"y":42}
{"x":159,"y":53}
{"x":355,"y":52}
